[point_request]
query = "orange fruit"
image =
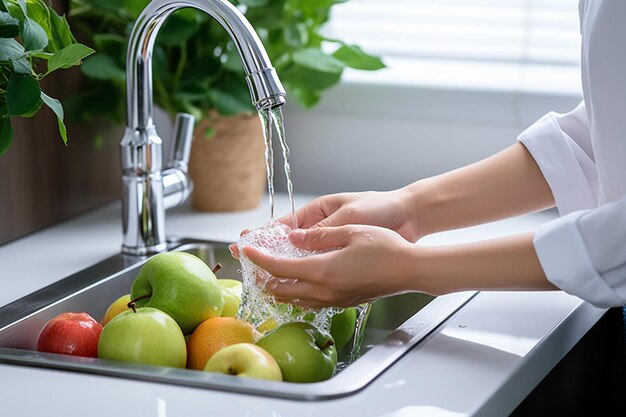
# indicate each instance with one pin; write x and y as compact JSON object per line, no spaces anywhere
{"x":214,"y":334}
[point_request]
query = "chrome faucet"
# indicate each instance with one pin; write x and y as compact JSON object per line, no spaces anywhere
{"x":148,"y":190}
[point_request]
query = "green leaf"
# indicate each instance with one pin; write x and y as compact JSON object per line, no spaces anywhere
{"x":227,"y":104}
{"x":57,"y":108}
{"x":22,"y":66}
{"x":354,"y":57}
{"x":178,"y":29}
{"x":315,"y":59}
{"x":10,"y":50}
{"x":233,"y":60}
{"x":270,"y":17}
{"x":307,"y":78}
{"x":16,"y":10}
{"x":9,"y":26}
{"x":110,"y":44}
{"x":110,"y":5}
{"x":33,"y":35}
{"x":103,"y":67}
{"x":134,"y":7}
{"x":6,"y":134}
{"x":39,"y":12}
{"x":69,"y":56}
{"x":23,"y":95}
{"x":22,"y":6}
{"x":307,"y":98}
{"x":61,"y":33}
{"x":296,"y":35}
{"x":254,"y":3}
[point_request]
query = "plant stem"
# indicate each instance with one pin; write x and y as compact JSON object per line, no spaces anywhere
{"x":182,"y":61}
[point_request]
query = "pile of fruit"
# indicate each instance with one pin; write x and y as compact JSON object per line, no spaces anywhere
{"x":179,"y":314}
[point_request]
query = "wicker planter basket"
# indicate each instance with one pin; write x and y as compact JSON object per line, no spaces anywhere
{"x":228,"y":169}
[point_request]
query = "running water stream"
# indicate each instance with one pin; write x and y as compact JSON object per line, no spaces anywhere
{"x":274,"y":118}
{"x":268,"y":118}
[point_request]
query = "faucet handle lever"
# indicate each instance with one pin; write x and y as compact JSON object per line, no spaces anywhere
{"x":182,"y":136}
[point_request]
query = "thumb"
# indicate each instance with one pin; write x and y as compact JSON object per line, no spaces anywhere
{"x":320,"y":238}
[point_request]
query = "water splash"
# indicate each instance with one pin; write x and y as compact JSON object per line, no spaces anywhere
{"x":258,"y":306}
{"x":363,"y":312}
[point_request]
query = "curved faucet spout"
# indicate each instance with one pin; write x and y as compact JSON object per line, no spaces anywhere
{"x":265,"y":88}
{"x":148,"y":189}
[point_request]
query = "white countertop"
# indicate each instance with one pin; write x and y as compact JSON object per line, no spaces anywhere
{"x":482,"y":361}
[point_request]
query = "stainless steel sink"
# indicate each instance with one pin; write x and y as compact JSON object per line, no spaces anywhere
{"x":395,"y":325}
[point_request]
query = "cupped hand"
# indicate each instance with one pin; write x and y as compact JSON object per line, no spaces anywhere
{"x":384,"y":209}
{"x":388,"y":209}
{"x":362,"y":263}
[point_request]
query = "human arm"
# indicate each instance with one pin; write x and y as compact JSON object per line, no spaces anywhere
{"x":506,"y":184}
{"x":503,"y":185}
{"x":583,"y":253}
{"x":371,"y":262}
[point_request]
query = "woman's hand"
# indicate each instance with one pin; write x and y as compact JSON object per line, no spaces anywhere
{"x":389,"y":209}
{"x":384,"y":209}
{"x":364,"y":263}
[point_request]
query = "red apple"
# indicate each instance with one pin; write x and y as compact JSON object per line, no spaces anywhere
{"x":70,"y":334}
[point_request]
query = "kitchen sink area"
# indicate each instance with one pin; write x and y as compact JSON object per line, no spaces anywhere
{"x":395,"y":325}
{"x":465,"y":353}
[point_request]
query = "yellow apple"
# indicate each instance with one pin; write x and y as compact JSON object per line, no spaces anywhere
{"x":231,"y":290}
{"x":119,"y":306}
{"x":245,"y":360}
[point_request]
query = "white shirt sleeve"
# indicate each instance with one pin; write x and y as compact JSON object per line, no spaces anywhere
{"x":584,"y":252}
{"x":561,"y":146}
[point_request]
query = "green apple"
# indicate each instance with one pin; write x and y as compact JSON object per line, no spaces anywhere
{"x":181,"y":285}
{"x":245,"y":360}
{"x":147,"y":336}
{"x":342,"y":327}
{"x":303,"y":352}
{"x":232,"y":291}
{"x":118,"y":306}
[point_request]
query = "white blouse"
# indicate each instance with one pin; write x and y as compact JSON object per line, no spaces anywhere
{"x":582,"y":155}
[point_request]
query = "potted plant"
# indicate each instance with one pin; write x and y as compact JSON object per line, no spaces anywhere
{"x":34,"y":42}
{"x":197,"y":70}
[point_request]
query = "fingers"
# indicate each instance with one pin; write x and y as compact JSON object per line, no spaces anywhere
{"x":306,"y":216}
{"x":304,"y":294}
{"x":322,"y":238}
{"x":233,"y":248}
{"x":299,"y":268}
{"x":314,"y":212}
{"x":291,"y":291}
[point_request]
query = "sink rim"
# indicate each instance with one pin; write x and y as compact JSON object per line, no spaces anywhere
{"x":351,"y":380}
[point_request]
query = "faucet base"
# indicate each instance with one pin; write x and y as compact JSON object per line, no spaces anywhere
{"x":144,"y":250}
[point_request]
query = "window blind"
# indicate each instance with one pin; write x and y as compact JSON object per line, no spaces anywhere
{"x":476,"y":32}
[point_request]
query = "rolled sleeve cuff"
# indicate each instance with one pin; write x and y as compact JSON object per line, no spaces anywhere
{"x":567,"y":264}
{"x":553,"y":152}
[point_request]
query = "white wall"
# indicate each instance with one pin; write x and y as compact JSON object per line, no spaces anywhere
{"x":379,"y":137}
